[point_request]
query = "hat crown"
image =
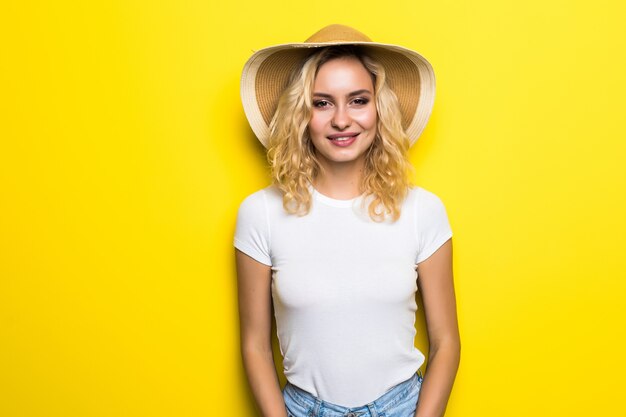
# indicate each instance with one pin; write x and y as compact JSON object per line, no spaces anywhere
{"x":337,"y":33}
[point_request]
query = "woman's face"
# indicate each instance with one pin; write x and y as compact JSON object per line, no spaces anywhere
{"x":343,"y":119}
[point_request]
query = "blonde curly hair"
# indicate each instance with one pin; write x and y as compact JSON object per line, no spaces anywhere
{"x":291,"y":154}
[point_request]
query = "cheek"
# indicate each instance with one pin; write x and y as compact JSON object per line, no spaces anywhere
{"x":316,"y":124}
{"x":368,"y":120}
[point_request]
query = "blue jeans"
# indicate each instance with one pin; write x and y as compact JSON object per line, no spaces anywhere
{"x":399,"y":401}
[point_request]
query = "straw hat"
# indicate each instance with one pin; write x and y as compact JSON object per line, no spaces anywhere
{"x":266,"y":73}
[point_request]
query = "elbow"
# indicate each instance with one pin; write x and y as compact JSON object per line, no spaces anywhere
{"x":452,"y":345}
{"x":255,"y":349}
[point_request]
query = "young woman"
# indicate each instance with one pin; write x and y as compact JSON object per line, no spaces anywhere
{"x":340,"y":242}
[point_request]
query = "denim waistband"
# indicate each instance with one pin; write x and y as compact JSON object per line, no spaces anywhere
{"x":379,"y":405}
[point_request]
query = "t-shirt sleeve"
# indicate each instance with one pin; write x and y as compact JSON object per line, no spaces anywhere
{"x":252,"y":232}
{"x":433,"y":227}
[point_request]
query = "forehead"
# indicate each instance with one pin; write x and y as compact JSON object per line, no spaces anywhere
{"x":343,"y":72}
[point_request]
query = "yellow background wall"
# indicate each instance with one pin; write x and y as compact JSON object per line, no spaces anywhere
{"x":125,"y":154}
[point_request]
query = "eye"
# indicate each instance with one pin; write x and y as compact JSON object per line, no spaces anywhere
{"x":320,"y":103}
{"x":360,"y":101}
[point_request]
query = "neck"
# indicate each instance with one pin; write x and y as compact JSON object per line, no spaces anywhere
{"x":340,"y":181}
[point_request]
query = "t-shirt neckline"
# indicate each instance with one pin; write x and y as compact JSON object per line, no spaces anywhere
{"x":333,"y":201}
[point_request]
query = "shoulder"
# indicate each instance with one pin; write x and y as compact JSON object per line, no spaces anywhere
{"x":427,"y":204}
{"x":261,"y":202}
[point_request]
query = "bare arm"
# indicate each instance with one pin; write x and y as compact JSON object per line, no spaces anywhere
{"x":437,"y":287}
{"x":255,"y":307}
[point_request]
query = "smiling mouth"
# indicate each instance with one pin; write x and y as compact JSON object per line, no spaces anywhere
{"x":342,"y":137}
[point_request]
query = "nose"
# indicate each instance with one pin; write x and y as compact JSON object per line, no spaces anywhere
{"x":341,"y":119}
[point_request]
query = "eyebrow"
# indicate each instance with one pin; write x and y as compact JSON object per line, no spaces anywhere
{"x":352,"y":94}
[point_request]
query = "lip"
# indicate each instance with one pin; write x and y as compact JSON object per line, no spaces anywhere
{"x":344,"y":143}
{"x":342,"y":135}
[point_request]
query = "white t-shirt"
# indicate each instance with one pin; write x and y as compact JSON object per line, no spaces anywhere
{"x":343,"y":288}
